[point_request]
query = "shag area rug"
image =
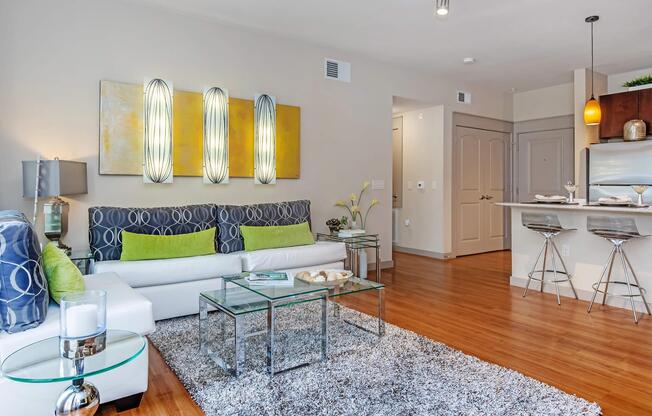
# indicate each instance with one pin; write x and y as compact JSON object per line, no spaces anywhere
{"x":401,"y":373}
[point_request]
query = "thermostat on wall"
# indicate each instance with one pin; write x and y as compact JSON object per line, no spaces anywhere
{"x":463,"y":97}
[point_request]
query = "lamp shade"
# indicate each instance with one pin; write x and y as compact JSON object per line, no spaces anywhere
{"x":264,"y":139}
{"x":157,"y":131}
{"x":57,"y":177}
{"x":216,"y":135}
{"x":592,"y":112}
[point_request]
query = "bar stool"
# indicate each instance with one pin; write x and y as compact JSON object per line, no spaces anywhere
{"x":617,"y":230}
{"x":548,"y":226}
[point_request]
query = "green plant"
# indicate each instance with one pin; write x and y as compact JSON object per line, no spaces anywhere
{"x":642,"y":80}
{"x":353,"y":205}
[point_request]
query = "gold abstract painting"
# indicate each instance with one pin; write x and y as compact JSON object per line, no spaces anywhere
{"x":121,"y":134}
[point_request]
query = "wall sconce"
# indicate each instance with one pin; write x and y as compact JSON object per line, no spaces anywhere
{"x":264,"y":139}
{"x":157,"y":140}
{"x":216,"y":135}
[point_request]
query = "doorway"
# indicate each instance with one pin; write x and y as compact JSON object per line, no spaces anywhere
{"x":481,"y":178}
{"x":544,"y":156}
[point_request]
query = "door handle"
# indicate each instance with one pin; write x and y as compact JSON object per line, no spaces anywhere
{"x":488,"y":197}
{"x":483,"y":197}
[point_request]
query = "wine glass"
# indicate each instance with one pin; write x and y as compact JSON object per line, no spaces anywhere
{"x":571,"y":188}
{"x":640,"y":190}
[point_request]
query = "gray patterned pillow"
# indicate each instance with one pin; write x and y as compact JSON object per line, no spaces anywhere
{"x":24,"y":297}
{"x":106,"y":224}
{"x":231,"y":217}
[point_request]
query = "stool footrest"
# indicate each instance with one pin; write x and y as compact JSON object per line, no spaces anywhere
{"x":533,"y":276}
{"x":641,"y":290}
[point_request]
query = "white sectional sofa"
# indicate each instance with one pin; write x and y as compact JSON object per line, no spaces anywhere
{"x":173,"y":285}
{"x":126,"y":309}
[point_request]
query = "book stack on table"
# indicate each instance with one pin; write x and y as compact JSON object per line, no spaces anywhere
{"x":269,"y":279}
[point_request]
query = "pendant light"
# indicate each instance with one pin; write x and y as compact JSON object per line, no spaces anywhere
{"x":441,"y":8}
{"x":592,"y":112}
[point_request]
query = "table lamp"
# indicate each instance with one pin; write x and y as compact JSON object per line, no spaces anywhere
{"x":54,"y":178}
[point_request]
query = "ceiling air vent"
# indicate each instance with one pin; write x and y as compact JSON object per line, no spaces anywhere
{"x":338,"y":70}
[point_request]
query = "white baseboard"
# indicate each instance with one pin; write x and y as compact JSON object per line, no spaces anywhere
{"x":425,"y":253}
{"x":387,"y":264}
{"x":565,"y":291}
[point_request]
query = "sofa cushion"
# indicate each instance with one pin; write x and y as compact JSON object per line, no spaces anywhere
{"x":62,"y":274}
{"x":125,"y":309}
{"x":276,"y":236}
{"x":152,"y":247}
{"x":293,"y":257}
{"x":145,"y":273}
{"x":106,"y":225}
{"x":231,"y":217}
{"x":24,"y":293}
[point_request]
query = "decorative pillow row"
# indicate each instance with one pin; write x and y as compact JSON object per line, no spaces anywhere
{"x":23,"y":288}
{"x":107,"y":223}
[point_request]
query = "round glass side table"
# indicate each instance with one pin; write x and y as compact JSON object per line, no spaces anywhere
{"x":41,"y":362}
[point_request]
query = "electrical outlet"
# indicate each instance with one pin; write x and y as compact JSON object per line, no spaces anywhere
{"x":377,"y":184}
{"x":565,"y":250}
{"x":433,"y":185}
{"x":407,"y":222}
{"x":409,"y":185}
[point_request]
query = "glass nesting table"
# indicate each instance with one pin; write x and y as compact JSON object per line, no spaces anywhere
{"x":354,"y":245}
{"x":242,"y":298}
{"x":41,"y":362}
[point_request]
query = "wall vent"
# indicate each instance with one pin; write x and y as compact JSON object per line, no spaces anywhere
{"x":337,"y":70}
{"x":463,"y":97}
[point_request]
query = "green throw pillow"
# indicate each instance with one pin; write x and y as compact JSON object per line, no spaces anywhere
{"x":62,"y":274}
{"x":151,"y":247}
{"x":276,"y":236}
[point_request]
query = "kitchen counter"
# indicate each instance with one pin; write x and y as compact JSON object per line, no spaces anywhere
{"x":579,"y":207}
{"x":584,"y":253}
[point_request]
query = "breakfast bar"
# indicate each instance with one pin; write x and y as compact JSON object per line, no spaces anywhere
{"x":584,"y":253}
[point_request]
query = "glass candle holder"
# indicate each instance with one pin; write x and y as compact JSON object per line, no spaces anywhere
{"x":82,"y":323}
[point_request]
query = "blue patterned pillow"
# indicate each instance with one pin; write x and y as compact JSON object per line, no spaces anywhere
{"x":107,"y":223}
{"x":231,"y":217}
{"x":24,"y":297}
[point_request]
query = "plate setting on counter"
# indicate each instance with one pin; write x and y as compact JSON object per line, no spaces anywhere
{"x":551,"y":199}
{"x":617,"y":201}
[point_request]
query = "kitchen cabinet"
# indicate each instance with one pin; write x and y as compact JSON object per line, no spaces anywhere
{"x":645,"y":108}
{"x":618,"y":109}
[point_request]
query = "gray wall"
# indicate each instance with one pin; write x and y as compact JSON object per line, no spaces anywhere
{"x":55,"y":53}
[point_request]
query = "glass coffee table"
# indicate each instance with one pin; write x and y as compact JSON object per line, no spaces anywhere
{"x":41,"y":362}
{"x":244,"y":298}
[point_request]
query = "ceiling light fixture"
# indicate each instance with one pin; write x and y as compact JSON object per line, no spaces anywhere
{"x":469,"y":60}
{"x":442,"y":8}
{"x":592,"y":112}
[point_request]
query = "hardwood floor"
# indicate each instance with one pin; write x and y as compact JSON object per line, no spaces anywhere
{"x":467,"y":303}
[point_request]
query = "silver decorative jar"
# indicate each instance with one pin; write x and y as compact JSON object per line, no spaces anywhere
{"x":634,"y":130}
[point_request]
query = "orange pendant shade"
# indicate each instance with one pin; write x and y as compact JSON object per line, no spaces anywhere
{"x":592,"y":112}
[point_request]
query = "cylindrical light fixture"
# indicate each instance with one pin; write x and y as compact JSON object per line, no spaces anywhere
{"x":442,"y":8}
{"x":216,"y":135}
{"x":264,"y":139}
{"x":592,"y":112}
{"x":157,"y":132}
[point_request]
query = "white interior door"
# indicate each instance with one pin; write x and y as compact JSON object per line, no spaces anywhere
{"x":397,"y":162}
{"x":545,"y":162}
{"x":481,"y":169}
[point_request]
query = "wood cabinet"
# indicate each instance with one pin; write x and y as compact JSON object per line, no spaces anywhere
{"x":645,"y":108}
{"x":617,"y":109}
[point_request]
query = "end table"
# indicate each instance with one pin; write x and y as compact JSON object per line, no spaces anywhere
{"x":353,"y":246}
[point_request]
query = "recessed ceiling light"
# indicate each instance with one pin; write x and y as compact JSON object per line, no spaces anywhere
{"x":469,"y":60}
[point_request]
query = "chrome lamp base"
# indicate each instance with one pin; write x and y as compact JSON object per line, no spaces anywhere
{"x":79,"y":399}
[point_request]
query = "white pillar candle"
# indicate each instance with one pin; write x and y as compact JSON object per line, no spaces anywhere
{"x":81,"y":320}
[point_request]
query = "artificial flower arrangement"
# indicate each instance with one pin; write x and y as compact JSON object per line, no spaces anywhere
{"x":354,"y":207}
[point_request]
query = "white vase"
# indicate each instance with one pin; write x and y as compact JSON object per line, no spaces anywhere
{"x":362,"y":263}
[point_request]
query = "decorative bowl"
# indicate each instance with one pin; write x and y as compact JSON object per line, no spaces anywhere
{"x":329,"y":277}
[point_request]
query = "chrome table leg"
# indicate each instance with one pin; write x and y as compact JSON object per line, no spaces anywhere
{"x":239,"y":345}
{"x":271,"y":321}
{"x":629,"y":286}
{"x":604,"y":270}
{"x":381,"y":311}
{"x":324,"y":327}
{"x":640,"y":289}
